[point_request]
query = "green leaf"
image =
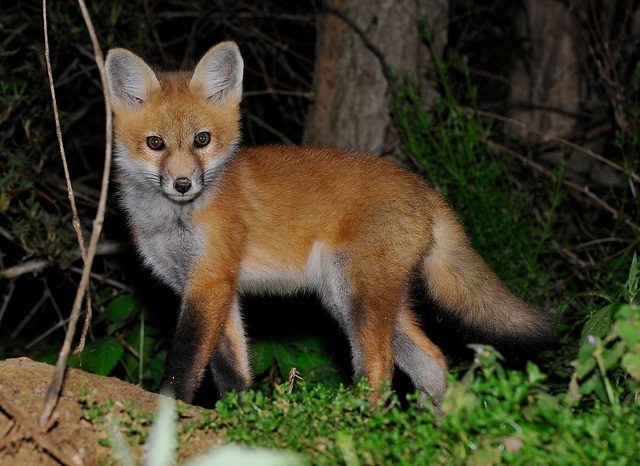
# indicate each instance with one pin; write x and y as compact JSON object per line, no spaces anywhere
{"x":119,"y":309}
{"x":49,"y":355}
{"x":631,"y":363}
{"x":599,"y":324}
{"x":594,"y":384}
{"x":310,"y":354}
{"x":99,"y":357}
{"x":285,"y":358}
{"x":534,"y":374}
{"x":633,"y":284}
{"x":585,"y":363}
{"x":628,"y":326}
{"x":262,"y":355}
{"x":611,"y":357}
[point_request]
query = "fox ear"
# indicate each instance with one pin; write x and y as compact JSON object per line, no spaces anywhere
{"x":129,"y":78}
{"x":218,"y":75}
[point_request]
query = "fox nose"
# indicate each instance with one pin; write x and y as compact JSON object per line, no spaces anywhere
{"x":182,"y":185}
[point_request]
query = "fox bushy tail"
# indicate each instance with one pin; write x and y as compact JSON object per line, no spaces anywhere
{"x":461,"y":283}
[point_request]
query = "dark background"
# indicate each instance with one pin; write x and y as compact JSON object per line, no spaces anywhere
{"x":568,"y":69}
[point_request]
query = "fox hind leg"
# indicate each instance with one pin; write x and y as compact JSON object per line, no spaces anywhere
{"x":419,"y":358}
{"x":362,"y":312}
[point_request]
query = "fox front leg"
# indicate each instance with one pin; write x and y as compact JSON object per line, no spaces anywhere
{"x":203,"y":334}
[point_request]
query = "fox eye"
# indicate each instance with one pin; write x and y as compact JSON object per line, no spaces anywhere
{"x":155,"y":142}
{"x":202,"y":139}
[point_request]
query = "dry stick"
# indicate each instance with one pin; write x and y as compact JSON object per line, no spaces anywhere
{"x":53,"y":393}
{"x":566,"y":142}
{"x":7,"y":298}
{"x":38,"y":265}
{"x":46,"y":333}
{"x":35,"y":266}
{"x":72,"y":200}
{"x":550,"y":174}
{"x":75,"y":219}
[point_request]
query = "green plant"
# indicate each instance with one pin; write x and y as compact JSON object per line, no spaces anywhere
{"x":128,"y":343}
{"x":608,"y":363}
{"x":448,"y":145}
{"x":492,"y":415}
{"x":133,"y":422}
{"x":272,"y":360}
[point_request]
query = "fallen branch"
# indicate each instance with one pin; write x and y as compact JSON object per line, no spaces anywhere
{"x":53,"y":392}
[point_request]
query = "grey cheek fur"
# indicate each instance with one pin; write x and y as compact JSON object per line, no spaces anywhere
{"x":169,"y":242}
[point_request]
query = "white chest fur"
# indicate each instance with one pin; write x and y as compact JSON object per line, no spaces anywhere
{"x":168,"y":241}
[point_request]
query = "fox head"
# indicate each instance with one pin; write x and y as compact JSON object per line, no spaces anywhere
{"x":175,"y":132}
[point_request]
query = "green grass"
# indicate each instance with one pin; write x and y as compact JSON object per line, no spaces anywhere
{"x":492,"y":415}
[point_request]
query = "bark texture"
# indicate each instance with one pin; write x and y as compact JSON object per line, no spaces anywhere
{"x":549,"y":78}
{"x":350,"y":110}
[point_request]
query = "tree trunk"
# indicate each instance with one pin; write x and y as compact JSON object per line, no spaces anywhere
{"x":549,"y":78}
{"x":351,"y":99}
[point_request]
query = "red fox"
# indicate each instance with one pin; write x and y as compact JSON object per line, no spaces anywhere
{"x":214,"y":221}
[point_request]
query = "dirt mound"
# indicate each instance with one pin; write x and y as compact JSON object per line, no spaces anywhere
{"x":79,"y":434}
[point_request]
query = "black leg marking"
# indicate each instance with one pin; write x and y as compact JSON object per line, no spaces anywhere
{"x":182,"y":367}
{"x":225,"y":368}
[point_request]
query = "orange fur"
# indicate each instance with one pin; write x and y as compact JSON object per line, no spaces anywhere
{"x":352,"y":227}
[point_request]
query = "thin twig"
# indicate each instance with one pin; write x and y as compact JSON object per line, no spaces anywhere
{"x":306,"y":95}
{"x":29,"y":316}
{"x":38,"y":265}
{"x":584,"y":190}
{"x":4,"y":232}
{"x":7,"y":298}
{"x":566,"y":142}
{"x":103,"y":279}
{"x":75,"y":218}
{"x":154,"y":31}
{"x":269,"y":128}
{"x":46,"y":333}
{"x":127,"y":346}
{"x":53,"y":393}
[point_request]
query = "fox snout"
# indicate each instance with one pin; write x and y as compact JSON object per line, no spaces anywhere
{"x":182,"y":185}
{"x":182,"y":175}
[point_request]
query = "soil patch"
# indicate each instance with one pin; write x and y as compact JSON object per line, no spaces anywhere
{"x":77,"y":437}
